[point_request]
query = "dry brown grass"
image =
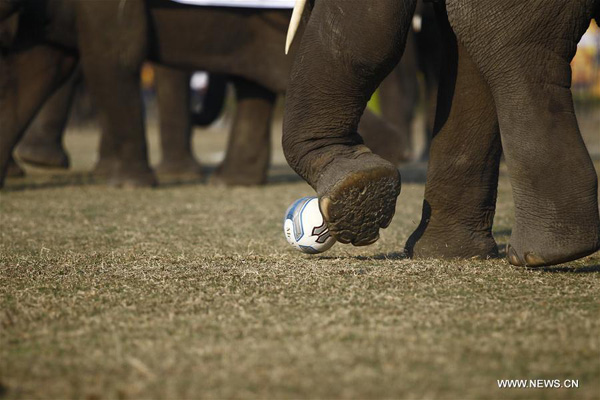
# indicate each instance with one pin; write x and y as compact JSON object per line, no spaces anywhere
{"x":192,"y":291}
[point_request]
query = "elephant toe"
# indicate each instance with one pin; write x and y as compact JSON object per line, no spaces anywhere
{"x":554,"y":256}
{"x":512,"y":256}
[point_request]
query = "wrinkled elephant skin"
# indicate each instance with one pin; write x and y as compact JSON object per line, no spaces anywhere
{"x":505,"y":79}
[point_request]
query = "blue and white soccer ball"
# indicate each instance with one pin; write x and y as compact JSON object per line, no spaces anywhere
{"x":305,"y":228}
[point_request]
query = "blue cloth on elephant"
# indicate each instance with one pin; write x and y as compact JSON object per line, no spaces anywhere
{"x":241,"y":3}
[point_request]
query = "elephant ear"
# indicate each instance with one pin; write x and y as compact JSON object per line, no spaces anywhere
{"x":294,"y":23}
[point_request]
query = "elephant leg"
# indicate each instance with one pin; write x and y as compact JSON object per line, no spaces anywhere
{"x":42,"y":143}
{"x":112,"y":41}
{"x":335,"y":73}
{"x":429,"y":50}
{"x":398,"y":96}
{"x":27,"y":79}
{"x":107,"y":156}
{"x":14,"y":170}
{"x":249,"y":147}
{"x":383,"y":138}
{"x":173,"y":97}
{"x":555,"y":186}
{"x":462,"y":176}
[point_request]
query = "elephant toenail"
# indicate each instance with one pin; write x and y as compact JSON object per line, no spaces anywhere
{"x":533,"y":260}
{"x":512,"y":256}
{"x":324,"y":204}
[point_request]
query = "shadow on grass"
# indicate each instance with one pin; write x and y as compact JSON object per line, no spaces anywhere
{"x":396,"y":255}
{"x":49,"y":182}
{"x":277,"y":175}
{"x":570,"y":269}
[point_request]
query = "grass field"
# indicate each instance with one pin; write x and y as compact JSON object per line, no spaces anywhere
{"x":189,"y":291}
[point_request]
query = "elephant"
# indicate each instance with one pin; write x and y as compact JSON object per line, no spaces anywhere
{"x":504,"y":89}
{"x":399,"y":92}
{"x":42,"y":143}
{"x":111,"y":40}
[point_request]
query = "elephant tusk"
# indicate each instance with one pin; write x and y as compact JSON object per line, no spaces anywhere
{"x":294,"y":23}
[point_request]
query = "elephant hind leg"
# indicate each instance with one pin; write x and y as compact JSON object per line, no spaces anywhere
{"x":173,"y":97}
{"x":249,"y":146}
{"x":555,"y":186}
{"x":111,"y":61}
{"x":462,"y":176}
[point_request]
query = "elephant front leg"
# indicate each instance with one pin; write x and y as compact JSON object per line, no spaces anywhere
{"x":173,"y":97}
{"x":555,"y":186}
{"x":347,"y":49}
{"x":42,"y":143}
{"x":27,"y":79}
{"x":462,"y":176}
{"x":249,"y":147}
{"x":112,"y":41}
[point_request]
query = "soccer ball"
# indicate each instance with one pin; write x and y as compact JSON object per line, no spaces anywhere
{"x":305,"y":228}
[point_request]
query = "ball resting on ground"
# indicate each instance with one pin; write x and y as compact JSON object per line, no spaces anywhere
{"x":305,"y":228}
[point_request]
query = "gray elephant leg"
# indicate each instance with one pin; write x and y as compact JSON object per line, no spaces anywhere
{"x":249,"y":147}
{"x":42,"y":143}
{"x":173,"y":97}
{"x":398,"y":97}
{"x":555,"y":186}
{"x":107,"y":156}
{"x":336,"y":71}
{"x":27,"y":79}
{"x":429,"y":49}
{"x":383,"y":138}
{"x":462,"y":176}
{"x":112,"y":42}
{"x":14,"y":170}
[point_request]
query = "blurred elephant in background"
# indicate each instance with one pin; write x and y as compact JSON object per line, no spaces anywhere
{"x":250,"y":54}
{"x":505,"y":87}
{"x":42,"y":143}
{"x":400,"y":91}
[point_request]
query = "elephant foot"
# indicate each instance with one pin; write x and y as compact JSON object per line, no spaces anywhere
{"x":132,"y":178}
{"x":104,"y":167}
{"x":43,"y":155}
{"x":13,"y":170}
{"x":357,"y":197}
{"x":110,"y":171}
{"x":224,"y":176}
{"x":229,"y":179}
{"x":187,"y":168}
{"x":542,"y":250}
{"x":444,"y":241}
